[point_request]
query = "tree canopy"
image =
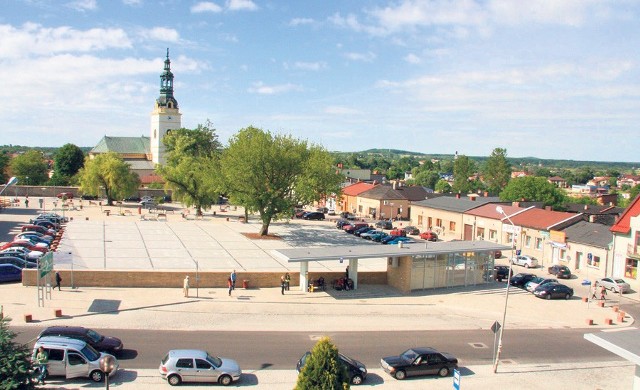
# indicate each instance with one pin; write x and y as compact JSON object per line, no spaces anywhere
{"x":67,"y":162}
{"x":271,"y":174}
{"x":497,"y":171}
{"x":323,"y":369}
{"x":108,"y":172}
{"x":463,"y":169}
{"x":30,"y":164}
{"x":16,"y":371}
{"x":533,"y":189}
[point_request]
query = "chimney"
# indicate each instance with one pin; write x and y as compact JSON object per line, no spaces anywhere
{"x":458,"y":196}
{"x":515,"y":204}
{"x":592,"y":218}
{"x":486,"y":194}
{"x":395,"y":185}
{"x":586,"y":207}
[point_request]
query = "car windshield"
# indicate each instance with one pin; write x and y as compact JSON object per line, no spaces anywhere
{"x":537,"y":279}
{"x":215,"y":361}
{"x":94,"y":336}
{"x":90,"y":353}
{"x":409,"y":354}
{"x":347,"y":359}
{"x":620,"y":281}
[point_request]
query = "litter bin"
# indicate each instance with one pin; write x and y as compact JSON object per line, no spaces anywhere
{"x":107,"y":212}
{"x":245,"y":284}
{"x":139,"y":210}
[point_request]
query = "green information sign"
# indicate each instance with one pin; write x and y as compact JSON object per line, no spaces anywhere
{"x":46,"y":264}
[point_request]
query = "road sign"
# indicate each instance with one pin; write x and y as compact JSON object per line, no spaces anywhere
{"x":456,"y":379}
{"x":590,"y":256}
{"x":586,"y":282}
{"x":518,"y":251}
{"x":45,"y":264}
{"x":495,"y":327}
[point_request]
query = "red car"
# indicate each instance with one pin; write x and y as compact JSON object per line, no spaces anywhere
{"x":398,"y":232}
{"x":353,"y":227}
{"x":24,"y":244}
{"x":39,"y":229}
{"x":429,"y":236}
{"x":65,"y":195}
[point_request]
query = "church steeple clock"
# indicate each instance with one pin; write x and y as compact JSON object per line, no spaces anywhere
{"x":165,"y":116}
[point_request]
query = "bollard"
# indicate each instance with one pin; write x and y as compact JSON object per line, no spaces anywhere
{"x":615,"y":309}
{"x":608,"y":321}
{"x":589,"y":321}
{"x":28,"y":318}
{"x":585,"y":299}
{"x":57,"y":312}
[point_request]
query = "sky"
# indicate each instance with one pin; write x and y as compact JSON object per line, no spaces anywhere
{"x":555,"y":79}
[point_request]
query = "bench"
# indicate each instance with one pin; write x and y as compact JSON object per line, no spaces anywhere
{"x":148,"y":217}
{"x":161,"y":215}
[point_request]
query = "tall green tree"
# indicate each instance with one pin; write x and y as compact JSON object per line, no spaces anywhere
{"x":427,"y":179}
{"x":271,"y":174}
{"x":68,"y":160}
{"x":323,"y":369}
{"x":30,"y":164}
{"x":16,"y":370}
{"x":4,"y":164}
{"x":442,"y":186}
{"x":533,"y":189}
{"x":192,"y":167}
{"x":463,"y":169}
{"x":497,"y":171}
{"x":108,"y":172}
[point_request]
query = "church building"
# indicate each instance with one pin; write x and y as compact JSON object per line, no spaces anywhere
{"x":143,"y":153}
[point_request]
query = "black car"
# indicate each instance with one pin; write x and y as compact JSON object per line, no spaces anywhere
{"x":18,"y":262}
{"x":519,"y":280}
{"x":89,"y":197}
{"x":384,"y":225}
{"x":102,"y":343}
{"x":419,"y":361}
{"x":357,"y":371}
{"x":342,"y":222}
{"x":347,"y":215}
{"x":553,"y":290}
{"x":560,"y":271}
{"x":411,"y":230}
{"x":314,"y":215}
{"x":132,"y":199}
{"x":500,"y":272}
{"x":363,"y":229}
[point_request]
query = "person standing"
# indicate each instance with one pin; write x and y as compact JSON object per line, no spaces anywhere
{"x":185,"y":286}
{"x":282,"y":284}
{"x":58,"y":281}
{"x":42,"y":359}
{"x":230,"y":285}
{"x":347,"y":273}
{"x":603,"y":293}
{"x":233,"y":280}
{"x":287,"y":281}
{"x":26,"y":202}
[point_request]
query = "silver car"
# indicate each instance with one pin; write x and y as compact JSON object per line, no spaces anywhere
{"x":615,"y":285}
{"x":525,"y":261}
{"x":194,"y":365}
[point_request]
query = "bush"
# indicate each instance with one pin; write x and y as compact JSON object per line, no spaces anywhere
{"x":323,"y":369}
{"x":16,"y":371}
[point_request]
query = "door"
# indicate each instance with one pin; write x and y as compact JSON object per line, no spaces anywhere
{"x":468,"y":233}
{"x":186,"y":369}
{"x":204,"y":372}
{"x":56,"y":366}
{"x":77,"y":365}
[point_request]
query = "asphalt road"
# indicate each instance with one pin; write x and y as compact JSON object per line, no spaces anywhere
{"x":281,"y":350}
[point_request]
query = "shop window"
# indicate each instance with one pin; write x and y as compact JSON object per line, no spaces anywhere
{"x":594,"y":261}
{"x":493,"y":234}
{"x":631,"y":269}
{"x":480,"y":234}
{"x":538,"y":243}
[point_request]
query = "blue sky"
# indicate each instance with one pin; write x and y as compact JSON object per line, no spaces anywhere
{"x":542,"y":78}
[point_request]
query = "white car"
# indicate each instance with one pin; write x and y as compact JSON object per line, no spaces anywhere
{"x":537,"y":282}
{"x":525,"y":261}
{"x":23,"y":252}
{"x":615,"y":285}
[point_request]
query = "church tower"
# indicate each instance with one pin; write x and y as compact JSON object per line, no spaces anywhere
{"x":165,"y":116}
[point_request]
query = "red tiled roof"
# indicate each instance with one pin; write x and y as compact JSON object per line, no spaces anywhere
{"x":357,"y":188}
{"x":152,"y":178}
{"x":489,"y":211}
{"x":542,"y":219}
{"x":624,"y":223}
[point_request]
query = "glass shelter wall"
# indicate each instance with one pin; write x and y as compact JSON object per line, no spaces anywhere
{"x":451,"y":270}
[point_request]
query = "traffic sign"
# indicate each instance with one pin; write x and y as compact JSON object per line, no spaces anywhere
{"x":495,"y":327}
{"x":456,"y":379}
{"x":518,"y":251}
{"x":586,"y":282}
{"x":46,"y":264}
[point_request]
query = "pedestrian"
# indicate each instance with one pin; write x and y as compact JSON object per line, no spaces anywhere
{"x":233,"y":280}
{"x":42,"y":359}
{"x":26,"y":202}
{"x":230,"y":285}
{"x":287,"y":281}
{"x":185,"y":286}
{"x":58,"y":281}
{"x":282,"y":284}
{"x":347,"y":273}
{"x":603,"y":293}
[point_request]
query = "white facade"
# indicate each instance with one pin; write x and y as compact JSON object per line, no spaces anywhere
{"x":163,"y":120}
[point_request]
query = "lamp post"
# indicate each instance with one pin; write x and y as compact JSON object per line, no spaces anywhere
{"x":107,"y":365}
{"x":11,"y":182}
{"x":500,"y":210}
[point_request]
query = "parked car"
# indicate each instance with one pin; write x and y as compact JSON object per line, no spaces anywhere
{"x":37,"y":241}
{"x":166,"y":198}
{"x":384,"y":224}
{"x":560,"y":271}
{"x":357,"y":371}
{"x":314,"y":215}
{"x":132,"y":199}
{"x":553,"y":290}
{"x":111,"y":345}
{"x":396,"y":239}
{"x":429,"y":236}
{"x":378,"y":237}
{"x":411,"y":230}
{"x":367,"y":235}
{"x":148,"y":203}
{"x":25,"y":244}
{"x":353,"y":227}
{"x":341,"y":223}
{"x":10,"y":273}
{"x":398,"y":232}
{"x":501,"y":272}
{"x":65,"y":195}
{"x":347,"y":215}
{"x":615,"y":285}
{"x":194,"y":365}
{"x":525,"y":261}
{"x":39,"y":229}
{"x":538,"y":281}
{"x":364,"y":229}
{"x":519,"y":280}
{"x":89,"y":197}
{"x":34,"y":236}
{"x":18,"y":262}
{"x":22,"y":253}
{"x":298,"y":213}
{"x":45,"y":223}
{"x":497,"y":254}
{"x":72,"y":358}
{"x":419,"y":361}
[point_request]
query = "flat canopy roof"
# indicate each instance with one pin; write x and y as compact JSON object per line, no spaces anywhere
{"x":377,"y":251}
{"x":624,"y":343}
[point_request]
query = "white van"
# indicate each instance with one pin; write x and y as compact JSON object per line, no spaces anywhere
{"x":72,"y":358}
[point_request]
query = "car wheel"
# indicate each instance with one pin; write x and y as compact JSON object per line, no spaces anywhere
{"x":526,"y":266}
{"x":567,"y":296}
{"x":400,"y":375}
{"x":444,"y":371}
{"x":174,"y":380}
{"x":97,"y":376}
{"x":225,"y":380}
{"x":548,"y":296}
{"x":356,"y":380}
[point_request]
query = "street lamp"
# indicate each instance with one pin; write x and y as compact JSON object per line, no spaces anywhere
{"x":107,"y":365}
{"x":500,"y":210}
{"x":11,"y":182}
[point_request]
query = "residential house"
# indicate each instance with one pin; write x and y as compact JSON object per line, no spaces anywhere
{"x":629,"y":180}
{"x":588,"y":250}
{"x":599,"y":181}
{"x":349,"y":198}
{"x":484,"y":223}
{"x":384,"y":202}
{"x":558,"y":181}
{"x":606,"y":215}
{"x":626,"y":245}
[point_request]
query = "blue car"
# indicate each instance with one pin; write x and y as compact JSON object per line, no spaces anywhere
{"x":10,"y":273}
{"x":397,"y":239}
{"x":379,"y":236}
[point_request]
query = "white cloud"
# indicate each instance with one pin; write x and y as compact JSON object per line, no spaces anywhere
{"x":241,"y":5}
{"x":412,"y":58}
{"x":315,"y":66}
{"x":351,"y":22}
{"x":300,"y":21}
{"x":161,"y":34}
{"x":132,"y":2}
{"x":366,"y":57}
{"x":205,"y":6}
{"x":83,"y":5}
{"x":262,"y":89}
{"x":339,"y":110}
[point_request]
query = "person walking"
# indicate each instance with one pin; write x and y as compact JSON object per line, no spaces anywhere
{"x":233,"y":280}
{"x":603,"y":293}
{"x":185,"y":286}
{"x":42,"y":359}
{"x":58,"y":281}
{"x":230,"y":285}
{"x":287,"y":281}
{"x":282,"y":284}
{"x":26,"y":202}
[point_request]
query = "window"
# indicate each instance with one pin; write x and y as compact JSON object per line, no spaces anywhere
{"x":493,"y":234}
{"x":76,"y":360}
{"x":429,"y":223}
{"x":563,"y":254}
{"x":184,"y":363}
{"x":56,"y":354}
{"x":360,"y":209}
{"x":480,"y":234}
{"x":594,"y":261}
{"x":631,"y":269}
{"x":202,"y":364}
{"x":419,"y":220}
{"x":538,"y":243}
{"x":438,"y":222}
{"x":527,"y":241}
{"x":452,"y":226}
